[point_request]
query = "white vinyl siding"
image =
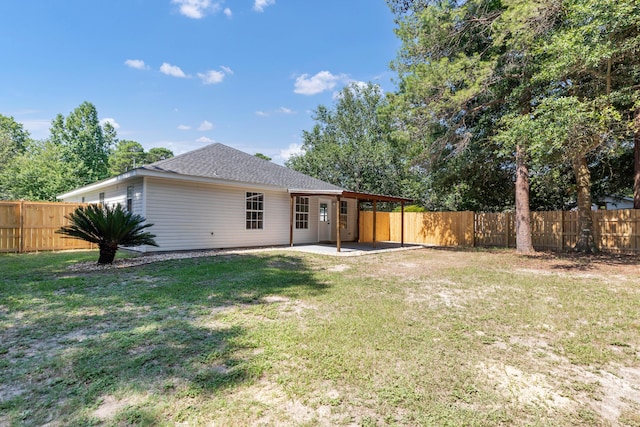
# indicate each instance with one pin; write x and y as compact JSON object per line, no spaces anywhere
{"x":189,"y":215}
{"x":115,"y":194}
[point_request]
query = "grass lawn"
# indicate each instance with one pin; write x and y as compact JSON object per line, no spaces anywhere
{"x":422,"y":337}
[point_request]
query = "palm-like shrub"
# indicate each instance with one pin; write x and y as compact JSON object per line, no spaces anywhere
{"x":109,"y":227}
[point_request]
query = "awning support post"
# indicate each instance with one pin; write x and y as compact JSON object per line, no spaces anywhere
{"x":374,"y":222}
{"x":291,"y":220}
{"x":338,"y":224}
{"x":402,"y":224}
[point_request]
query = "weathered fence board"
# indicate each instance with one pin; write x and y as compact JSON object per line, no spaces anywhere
{"x":31,"y":226}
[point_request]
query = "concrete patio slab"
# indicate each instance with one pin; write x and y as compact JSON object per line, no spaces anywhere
{"x":353,"y":248}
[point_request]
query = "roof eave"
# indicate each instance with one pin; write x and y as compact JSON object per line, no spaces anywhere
{"x":364,"y":197}
{"x":143,"y":172}
{"x":100,"y":184}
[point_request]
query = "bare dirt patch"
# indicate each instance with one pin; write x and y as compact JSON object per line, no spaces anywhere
{"x":110,"y":406}
{"x":339,"y":268}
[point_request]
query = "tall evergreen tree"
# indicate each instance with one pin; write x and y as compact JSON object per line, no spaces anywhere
{"x":462,"y":66}
{"x":588,"y":63}
{"x":156,"y":154}
{"x":126,"y":156}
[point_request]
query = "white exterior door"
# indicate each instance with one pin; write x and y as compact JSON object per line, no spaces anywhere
{"x":324,"y":220}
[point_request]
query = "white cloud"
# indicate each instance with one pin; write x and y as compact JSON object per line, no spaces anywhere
{"x":205,"y":139}
{"x":281,"y":110}
{"x":227,"y":12}
{"x":38,"y":128}
{"x":318,"y":83}
{"x":358,"y":85}
{"x":211,"y":77}
{"x":285,"y":110}
{"x":205,"y":125}
{"x":110,"y":120}
{"x":197,"y":9}
{"x":293,"y":149}
{"x":259,"y":5}
{"x":214,"y":76}
{"x":184,"y":127}
{"x":172,"y":70}
{"x":138,"y":64}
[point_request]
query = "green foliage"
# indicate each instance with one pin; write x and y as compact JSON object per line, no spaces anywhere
{"x":86,"y":149}
{"x":109,"y":227}
{"x":263,"y":157}
{"x":39,"y":173}
{"x":14,"y":137}
{"x":462,"y":66}
{"x":156,"y":154}
{"x":410,"y":208}
{"x":127,"y":156}
{"x":77,"y":153}
{"x":556,"y":79}
{"x":13,"y":142}
{"x":353,"y":146}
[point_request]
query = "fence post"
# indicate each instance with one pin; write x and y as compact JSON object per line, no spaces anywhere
{"x":596,"y":229}
{"x":561,"y":230}
{"x":507,"y":228}
{"x":473,"y":230}
{"x":21,"y":235}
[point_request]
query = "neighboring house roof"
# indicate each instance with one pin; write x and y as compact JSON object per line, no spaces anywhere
{"x":613,"y":202}
{"x":219,"y":161}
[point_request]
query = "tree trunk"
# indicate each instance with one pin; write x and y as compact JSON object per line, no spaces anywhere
{"x":636,"y":162}
{"x":585,"y":241}
{"x":107,"y":254}
{"x":524,"y":244}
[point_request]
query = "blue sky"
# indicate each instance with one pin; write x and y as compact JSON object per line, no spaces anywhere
{"x":182,"y":74}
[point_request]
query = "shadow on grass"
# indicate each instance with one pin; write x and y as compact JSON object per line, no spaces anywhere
{"x":566,"y":260}
{"x":584,"y":262}
{"x":70,"y":341}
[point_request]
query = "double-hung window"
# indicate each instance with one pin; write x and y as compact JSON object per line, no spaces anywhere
{"x":302,"y":213}
{"x":130,"y":198}
{"x":255,"y":211}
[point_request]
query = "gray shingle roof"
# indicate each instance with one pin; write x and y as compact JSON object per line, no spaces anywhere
{"x":221,"y":162}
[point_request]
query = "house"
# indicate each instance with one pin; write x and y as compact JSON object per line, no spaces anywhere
{"x":220,"y":197}
{"x":613,"y":202}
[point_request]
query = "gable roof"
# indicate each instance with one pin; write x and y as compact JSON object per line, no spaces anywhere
{"x":218,"y":161}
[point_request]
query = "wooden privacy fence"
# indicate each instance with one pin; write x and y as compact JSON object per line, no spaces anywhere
{"x":31,"y":226}
{"x":614,"y":230}
{"x":431,"y":228}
